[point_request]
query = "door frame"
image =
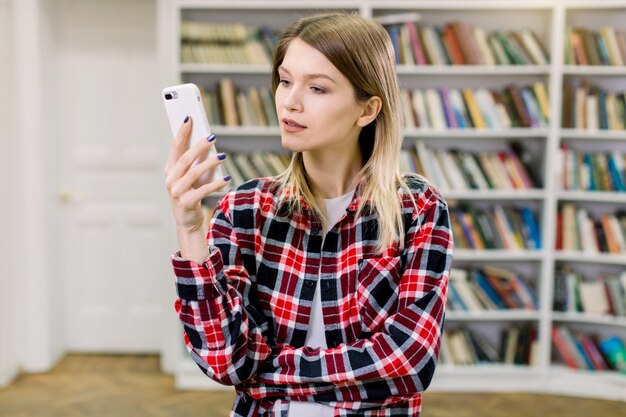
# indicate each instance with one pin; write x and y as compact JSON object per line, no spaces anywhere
{"x":38,"y":330}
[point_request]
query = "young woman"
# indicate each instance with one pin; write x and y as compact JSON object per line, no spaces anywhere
{"x":319,"y":292}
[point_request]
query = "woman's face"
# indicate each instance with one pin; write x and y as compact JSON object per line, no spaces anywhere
{"x":315,"y":103}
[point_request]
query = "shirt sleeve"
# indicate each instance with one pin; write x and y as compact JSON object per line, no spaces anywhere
{"x":403,"y":352}
{"x":225,"y":336}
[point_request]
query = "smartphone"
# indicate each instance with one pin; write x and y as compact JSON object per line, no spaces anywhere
{"x":185,"y":100}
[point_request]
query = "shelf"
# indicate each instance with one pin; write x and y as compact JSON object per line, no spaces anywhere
{"x":595,"y":4}
{"x":251,"y":131}
{"x":589,"y":70}
{"x":589,"y":319}
{"x":487,"y":368}
{"x":224,"y":69}
{"x":494,"y":194}
{"x":591,"y":258}
{"x":486,"y":378}
{"x":492,"y":315}
{"x":472,"y":133}
{"x":246,"y":131}
{"x":595,"y":196}
{"x":594,"y":384}
{"x":580,"y":134}
{"x":190,"y":68}
{"x":473,"y":70}
{"x":268,"y":4}
{"x":497,"y":255}
{"x":460,"y":5}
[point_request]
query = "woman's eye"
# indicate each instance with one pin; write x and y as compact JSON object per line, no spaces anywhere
{"x":318,"y":90}
{"x":284,"y":83}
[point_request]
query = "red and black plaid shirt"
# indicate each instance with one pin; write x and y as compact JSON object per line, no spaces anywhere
{"x":246,"y":309}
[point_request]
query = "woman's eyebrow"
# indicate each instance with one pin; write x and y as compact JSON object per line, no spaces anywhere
{"x":309,"y":75}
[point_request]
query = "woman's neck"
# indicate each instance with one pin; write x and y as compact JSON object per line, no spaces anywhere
{"x":332,"y":176}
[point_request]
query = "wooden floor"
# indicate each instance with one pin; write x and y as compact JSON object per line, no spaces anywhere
{"x":121,"y":386}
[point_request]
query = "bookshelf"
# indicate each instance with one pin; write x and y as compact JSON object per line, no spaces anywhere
{"x":548,"y":19}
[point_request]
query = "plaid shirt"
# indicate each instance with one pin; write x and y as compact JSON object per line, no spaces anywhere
{"x":246,"y":309}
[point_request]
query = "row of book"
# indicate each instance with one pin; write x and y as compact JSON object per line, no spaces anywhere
{"x":454,"y":43}
{"x":453,"y":108}
{"x":430,"y":108}
{"x":580,"y":230}
{"x":593,"y":108}
{"x":245,"y":166}
{"x":580,"y":350}
{"x":499,"y":227}
{"x":226,"y":43}
{"x":454,"y":169}
{"x":490,"y":288}
{"x":460,"y":43}
{"x":604,"y":294}
{"x":226,"y":105}
{"x":592,"y":171}
{"x":604,"y":46}
{"x":517,"y":345}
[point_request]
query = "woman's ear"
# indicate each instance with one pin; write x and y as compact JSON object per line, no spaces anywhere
{"x":371,"y":108}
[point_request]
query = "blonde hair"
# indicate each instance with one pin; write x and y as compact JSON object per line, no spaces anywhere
{"x":362,"y":51}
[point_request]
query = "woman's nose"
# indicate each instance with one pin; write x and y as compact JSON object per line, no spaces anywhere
{"x":293,"y":100}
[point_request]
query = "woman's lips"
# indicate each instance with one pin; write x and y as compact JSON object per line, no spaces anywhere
{"x":292,"y":126}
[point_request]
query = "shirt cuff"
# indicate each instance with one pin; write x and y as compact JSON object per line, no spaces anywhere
{"x":195,"y":281}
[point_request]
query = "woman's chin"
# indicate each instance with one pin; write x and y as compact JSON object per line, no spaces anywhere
{"x":290,"y":145}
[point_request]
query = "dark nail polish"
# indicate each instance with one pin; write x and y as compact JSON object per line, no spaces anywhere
{"x":186,"y":119}
{"x":221,"y":156}
{"x":227,"y":178}
{"x":211,"y":138}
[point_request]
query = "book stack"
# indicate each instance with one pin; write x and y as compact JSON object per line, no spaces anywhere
{"x":592,"y":108}
{"x":490,"y":288}
{"x":602,"y":295}
{"x":481,"y":108}
{"x":592,"y":171}
{"x":605,"y":46}
{"x":460,"y":43}
{"x":245,"y":166}
{"x":466,"y":347}
{"x":580,"y":350}
{"x":579,"y":230}
{"x":499,"y":227}
{"x":225,"y":43}
{"x":455,"y":169}
{"x":226,"y":105}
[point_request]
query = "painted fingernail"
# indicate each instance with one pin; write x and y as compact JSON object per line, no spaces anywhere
{"x":211,"y":138}
{"x":186,"y":119}
{"x":221,"y":156}
{"x":227,"y":178}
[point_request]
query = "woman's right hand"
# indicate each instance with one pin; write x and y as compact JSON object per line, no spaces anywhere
{"x":182,"y":179}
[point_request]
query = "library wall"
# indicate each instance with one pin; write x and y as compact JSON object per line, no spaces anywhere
{"x":8,"y":348}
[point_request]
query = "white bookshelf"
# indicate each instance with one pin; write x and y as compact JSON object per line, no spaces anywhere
{"x":547,"y":18}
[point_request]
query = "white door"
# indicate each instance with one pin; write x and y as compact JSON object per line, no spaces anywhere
{"x":113,"y":139}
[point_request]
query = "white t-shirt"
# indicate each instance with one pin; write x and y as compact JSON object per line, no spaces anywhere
{"x":335,"y":208}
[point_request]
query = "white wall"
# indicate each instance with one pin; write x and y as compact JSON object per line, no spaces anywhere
{"x":47,"y":37}
{"x":8,"y":352}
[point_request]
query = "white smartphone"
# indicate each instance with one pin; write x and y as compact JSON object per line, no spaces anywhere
{"x":185,"y":100}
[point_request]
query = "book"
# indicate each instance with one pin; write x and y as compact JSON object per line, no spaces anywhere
{"x":594,"y":298}
{"x":563,"y":349}
{"x":614,"y":350}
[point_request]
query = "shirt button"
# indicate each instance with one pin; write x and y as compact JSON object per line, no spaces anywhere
{"x":315,"y":230}
{"x":309,"y":284}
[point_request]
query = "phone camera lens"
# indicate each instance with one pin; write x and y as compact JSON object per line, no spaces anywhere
{"x":168,"y":96}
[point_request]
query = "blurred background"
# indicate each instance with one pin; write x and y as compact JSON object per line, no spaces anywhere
{"x":86,"y":287}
